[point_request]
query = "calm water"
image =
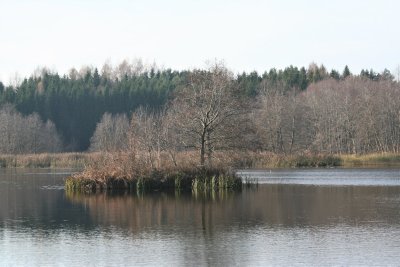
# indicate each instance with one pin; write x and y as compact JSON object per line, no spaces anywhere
{"x":294,"y":217}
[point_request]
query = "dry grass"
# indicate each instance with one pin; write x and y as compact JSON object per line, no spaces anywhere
{"x":271,"y":160}
{"x":262,"y":160}
{"x":375,"y":159}
{"x":124,"y":171}
{"x":47,"y":160}
{"x":98,"y":162}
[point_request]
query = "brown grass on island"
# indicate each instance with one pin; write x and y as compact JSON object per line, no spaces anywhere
{"x":125,"y":171}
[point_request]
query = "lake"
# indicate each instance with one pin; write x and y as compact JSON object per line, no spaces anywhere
{"x":296,"y":217}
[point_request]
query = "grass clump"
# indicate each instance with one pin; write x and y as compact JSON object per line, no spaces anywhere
{"x":122,"y":172}
{"x":194,"y":180}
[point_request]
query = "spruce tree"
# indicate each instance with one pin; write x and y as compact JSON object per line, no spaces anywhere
{"x":334,"y":74}
{"x":346,"y":72}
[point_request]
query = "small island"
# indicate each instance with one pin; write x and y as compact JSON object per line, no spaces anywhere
{"x":199,"y":180}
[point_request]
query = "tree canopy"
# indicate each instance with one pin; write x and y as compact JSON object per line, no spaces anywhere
{"x":76,"y":102}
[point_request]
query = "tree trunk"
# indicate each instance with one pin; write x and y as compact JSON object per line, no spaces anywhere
{"x":209,"y":149}
{"x":203,"y":148}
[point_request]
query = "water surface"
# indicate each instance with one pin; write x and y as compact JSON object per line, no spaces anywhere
{"x":294,"y":217}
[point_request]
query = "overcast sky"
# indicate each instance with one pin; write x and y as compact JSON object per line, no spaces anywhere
{"x":247,"y":34}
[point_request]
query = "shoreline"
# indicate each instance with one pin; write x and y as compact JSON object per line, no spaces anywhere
{"x":240,"y":160}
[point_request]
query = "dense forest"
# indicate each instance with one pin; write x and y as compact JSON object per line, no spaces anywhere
{"x":293,"y":109}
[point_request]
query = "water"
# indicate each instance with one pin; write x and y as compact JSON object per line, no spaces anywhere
{"x":326,"y":177}
{"x":294,"y":217}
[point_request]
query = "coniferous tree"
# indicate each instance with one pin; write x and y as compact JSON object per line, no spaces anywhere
{"x":346,"y":72}
{"x":334,"y":74}
{"x":96,"y":78}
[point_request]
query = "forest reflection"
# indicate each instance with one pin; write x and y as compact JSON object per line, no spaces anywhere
{"x":266,"y":205}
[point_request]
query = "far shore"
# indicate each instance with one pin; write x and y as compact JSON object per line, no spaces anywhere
{"x":236,"y":160}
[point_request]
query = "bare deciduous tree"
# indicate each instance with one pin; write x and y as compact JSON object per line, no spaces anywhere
{"x":351,"y":116}
{"x":111,"y":133}
{"x":207,"y":112}
{"x":355,"y":116}
{"x":283,"y":122}
{"x":147,"y":133}
{"x":19,"y":134}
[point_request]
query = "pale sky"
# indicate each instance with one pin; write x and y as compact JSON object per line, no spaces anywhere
{"x":247,"y":34}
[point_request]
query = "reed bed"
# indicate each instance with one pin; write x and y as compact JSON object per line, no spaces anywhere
{"x":262,"y":160}
{"x":201,"y":180}
{"x":48,"y":160}
{"x":308,"y":160}
{"x":189,"y":159}
{"x":375,"y":159}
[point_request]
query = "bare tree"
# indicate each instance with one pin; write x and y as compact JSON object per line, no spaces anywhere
{"x":123,"y":69}
{"x":207,"y":112}
{"x":107,"y":70}
{"x":111,"y":133}
{"x":149,"y":134}
{"x":282,"y":121}
{"x":355,"y":115}
{"x":19,"y":134}
{"x":50,"y":137}
{"x":73,"y":74}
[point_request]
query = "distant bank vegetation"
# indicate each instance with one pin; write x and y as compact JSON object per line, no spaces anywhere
{"x":21,"y":134}
{"x":49,"y":160}
{"x":236,"y":160}
{"x":291,"y":117}
{"x":355,"y":115}
{"x":76,"y":102}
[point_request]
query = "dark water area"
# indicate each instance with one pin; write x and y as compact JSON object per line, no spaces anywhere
{"x":293,"y":217}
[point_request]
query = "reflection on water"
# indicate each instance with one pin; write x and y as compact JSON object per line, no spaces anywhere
{"x":273,"y":224}
{"x":268,"y":205}
{"x":359,"y":177}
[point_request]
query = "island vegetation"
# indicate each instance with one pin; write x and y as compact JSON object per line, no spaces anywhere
{"x":134,"y":126}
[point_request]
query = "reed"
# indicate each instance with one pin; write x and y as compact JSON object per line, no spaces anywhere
{"x":272,"y":160}
{"x":199,"y":180}
{"x":47,"y":160}
{"x":374,"y":159}
{"x":189,"y":159}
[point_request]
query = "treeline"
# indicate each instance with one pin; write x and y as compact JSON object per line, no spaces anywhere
{"x":354,"y":115}
{"x":351,"y":116}
{"x":76,"y":102}
{"x":26,"y":134}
